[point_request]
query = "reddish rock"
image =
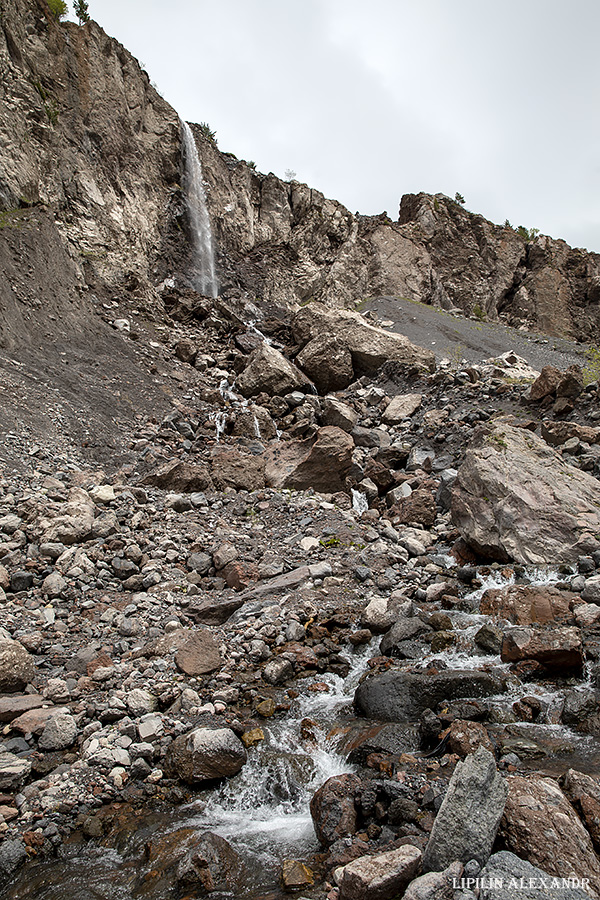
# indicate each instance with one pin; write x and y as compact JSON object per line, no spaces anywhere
{"x":383,"y":876}
{"x":546,"y":383}
{"x":234,"y":469}
{"x":240,"y":575}
{"x":571,"y":383}
{"x":419,"y":507}
{"x":322,"y":462}
{"x":102,"y":661}
{"x":34,"y":721}
{"x":540,"y":825}
{"x":180,"y":476}
{"x":554,"y":648}
{"x":524,"y":605}
{"x":333,"y":810}
{"x":556,"y":433}
{"x":584,"y":793}
{"x":14,"y":705}
{"x":198,"y":654}
{"x":465,"y":737}
{"x":327,"y":362}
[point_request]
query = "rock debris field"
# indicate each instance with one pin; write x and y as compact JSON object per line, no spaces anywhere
{"x":287,"y":514}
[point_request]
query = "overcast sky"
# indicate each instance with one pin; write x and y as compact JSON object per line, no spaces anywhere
{"x":367,"y":101}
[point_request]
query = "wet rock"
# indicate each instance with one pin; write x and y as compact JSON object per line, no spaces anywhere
{"x":401,"y":631}
{"x":402,"y":696}
{"x":199,"y":861}
{"x":525,"y":605}
{"x":333,"y":809}
{"x":506,"y":875}
{"x":17,"y":666}
{"x":379,"y":877}
{"x":59,"y":732}
{"x":295,"y":875}
{"x":466,"y":825}
{"x":270,"y":372}
{"x":515,"y":498}
{"x":12,"y":856}
{"x":321,"y":463}
{"x":489,"y":638}
{"x":554,"y":648}
{"x":587,"y":615}
{"x":540,"y":825}
{"x":206,"y":754}
{"x":465,"y":737}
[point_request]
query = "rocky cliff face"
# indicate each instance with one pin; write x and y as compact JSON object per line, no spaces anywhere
{"x":84,"y":134}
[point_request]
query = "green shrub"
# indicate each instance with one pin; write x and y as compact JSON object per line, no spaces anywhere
{"x":591,"y":370}
{"x":207,"y":132}
{"x":58,"y":8}
{"x":80,"y":8}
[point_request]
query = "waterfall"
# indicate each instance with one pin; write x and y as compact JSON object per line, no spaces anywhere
{"x":204,"y":277}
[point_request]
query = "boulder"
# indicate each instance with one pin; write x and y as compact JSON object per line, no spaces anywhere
{"x":465,"y":737}
{"x":333,"y":809}
{"x":17,"y":666}
{"x":327,"y":362}
{"x":13,"y":771}
{"x":516,"y":499}
{"x":380,"y":877}
{"x":230,"y":468}
{"x":59,"y":731}
{"x":554,"y":648}
{"x":201,"y":862}
{"x":370,"y":347}
{"x":73,"y":520}
{"x":435,"y":885}
{"x":334,"y":412}
{"x":179,"y":476}
{"x":402,"y":630}
{"x":546,"y":383}
{"x":540,"y":825}
{"x":401,"y":407}
{"x":322,"y":462}
{"x":205,"y":754}
{"x":557,"y":433}
{"x":466,"y":825}
{"x":268,"y":371}
{"x":526,"y":605}
{"x":506,"y":877}
{"x":583,"y":791}
{"x":196,"y":651}
{"x":14,"y":705}
{"x":397,"y":696}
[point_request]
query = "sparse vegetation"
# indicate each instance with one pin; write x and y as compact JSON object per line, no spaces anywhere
{"x":80,"y":8}
{"x":58,"y":8}
{"x":207,"y":132}
{"x":289,"y":175}
{"x":478,"y":312}
{"x":528,"y":234}
{"x":591,"y":370}
{"x":459,"y":199}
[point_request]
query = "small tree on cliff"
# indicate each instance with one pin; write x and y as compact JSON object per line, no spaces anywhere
{"x":80,"y":8}
{"x":58,"y":8}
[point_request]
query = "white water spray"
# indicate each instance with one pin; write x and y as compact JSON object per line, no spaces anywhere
{"x":204,"y":277}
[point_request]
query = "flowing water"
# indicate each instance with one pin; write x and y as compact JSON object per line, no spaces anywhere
{"x":203,"y":257}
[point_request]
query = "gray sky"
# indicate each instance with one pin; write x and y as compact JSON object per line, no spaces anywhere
{"x":367,"y":101}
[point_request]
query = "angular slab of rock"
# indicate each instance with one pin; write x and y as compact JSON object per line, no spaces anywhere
{"x":397,"y":696}
{"x":268,"y":370}
{"x":583,"y":791}
{"x":321,"y":463}
{"x":209,"y":611}
{"x":33,"y":721}
{"x":516,"y":499}
{"x":231,"y":468}
{"x":380,"y":877}
{"x":540,"y":825}
{"x":546,"y":383}
{"x":466,"y":825}
{"x":73,"y":521}
{"x":328,"y":363}
{"x":401,"y":407}
{"x":17,"y":666}
{"x":14,"y":705}
{"x":524,"y":605}
{"x":339,"y":414}
{"x":281,"y":583}
{"x":198,"y":654}
{"x":179,"y":476}
{"x":370,"y":347}
{"x":506,"y":877}
{"x":13,"y":771}
{"x":556,"y":433}
{"x":435,"y":885}
{"x":206,"y":754}
{"x":554,"y":648}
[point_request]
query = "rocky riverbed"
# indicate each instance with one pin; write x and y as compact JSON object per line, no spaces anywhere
{"x":328,"y":597}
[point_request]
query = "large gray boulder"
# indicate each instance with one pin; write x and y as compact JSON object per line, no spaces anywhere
{"x":466,"y":825}
{"x":506,"y":876}
{"x":370,"y":347}
{"x":516,"y":499}
{"x":397,"y":696}
{"x":268,"y":370}
{"x":17,"y":666}
{"x":205,"y":754}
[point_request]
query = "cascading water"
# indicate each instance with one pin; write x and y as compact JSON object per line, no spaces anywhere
{"x":203,"y":258}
